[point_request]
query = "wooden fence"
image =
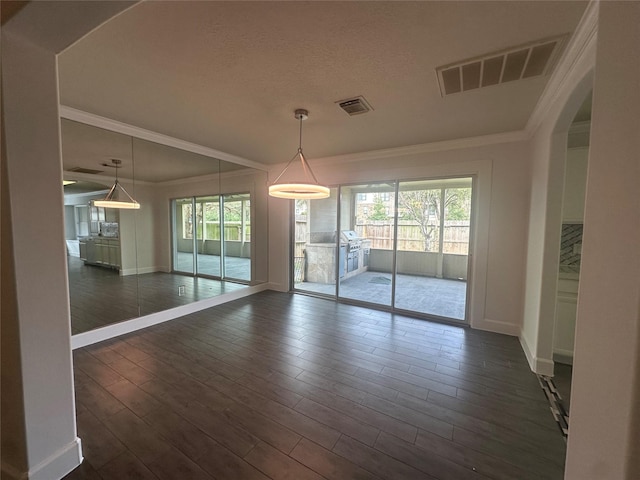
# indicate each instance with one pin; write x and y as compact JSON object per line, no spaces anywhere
{"x":410,"y":238}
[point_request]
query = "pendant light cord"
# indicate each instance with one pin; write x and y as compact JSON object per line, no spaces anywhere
{"x":305,"y":166}
{"x":300,"y":142}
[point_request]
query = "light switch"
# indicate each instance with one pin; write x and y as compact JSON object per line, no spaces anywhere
{"x":577,"y":248}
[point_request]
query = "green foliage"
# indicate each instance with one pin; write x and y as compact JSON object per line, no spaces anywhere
{"x":233,"y":211}
{"x":459,"y":203}
{"x":424,"y":208}
{"x":379,"y":211}
{"x":211,"y":211}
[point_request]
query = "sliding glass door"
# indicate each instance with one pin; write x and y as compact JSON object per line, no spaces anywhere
{"x":396,"y":245}
{"x":208,"y":222}
{"x":367,"y":242}
{"x":433,"y":247}
{"x":237,"y":236}
{"x":314,"y":251}
{"x":184,"y":237}
{"x":212,"y":236}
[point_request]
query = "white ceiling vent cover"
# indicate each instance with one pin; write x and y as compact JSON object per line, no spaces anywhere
{"x":517,"y":63}
{"x":355,"y":106}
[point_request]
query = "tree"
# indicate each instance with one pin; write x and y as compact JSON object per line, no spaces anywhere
{"x":379,"y":210}
{"x":423,"y":207}
{"x":459,"y":203}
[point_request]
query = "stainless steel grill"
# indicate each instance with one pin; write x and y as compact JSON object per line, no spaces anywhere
{"x":353,"y":242}
{"x":351,"y":239}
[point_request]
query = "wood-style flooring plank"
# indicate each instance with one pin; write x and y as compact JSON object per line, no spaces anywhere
{"x":275,"y":464}
{"x":424,"y":460}
{"x":339,"y":421}
{"x":101,"y":448}
{"x":329,"y":464}
{"x":278,"y":386}
{"x":126,"y":467}
{"x":376,"y":461}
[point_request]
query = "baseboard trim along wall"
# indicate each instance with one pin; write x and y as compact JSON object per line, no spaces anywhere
{"x":56,"y":466}
{"x":563,"y":356}
{"x":496,"y":326}
{"x":541,"y":366}
{"x":111,"y":331}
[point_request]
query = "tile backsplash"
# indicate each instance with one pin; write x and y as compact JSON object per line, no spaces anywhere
{"x":571,"y":236}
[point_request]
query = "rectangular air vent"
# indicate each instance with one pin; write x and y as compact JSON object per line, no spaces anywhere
{"x":495,"y":68}
{"x":85,"y":170}
{"x":355,"y":106}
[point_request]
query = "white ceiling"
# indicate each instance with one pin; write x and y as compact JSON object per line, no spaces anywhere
{"x":228,"y":75}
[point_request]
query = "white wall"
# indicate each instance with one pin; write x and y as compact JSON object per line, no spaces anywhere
{"x":575,"y":183}
{"x":603,"y":436}
{"x":38,"y":413}
{"x":69,"y":223}
{"x":548,"y":153}
{"x":137,"y":233}
{"x":502,"y":194}
{"x":43,"y":364}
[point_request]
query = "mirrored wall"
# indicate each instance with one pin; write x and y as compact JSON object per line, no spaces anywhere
{"x":126,"y":263}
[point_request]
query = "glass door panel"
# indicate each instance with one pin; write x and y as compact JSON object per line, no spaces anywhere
{"x":183,"y":235}
{"x":433,"y":246}
{"x":367,"y":242}
{"x":236,"y":249}
{"x":208,"y":220}
{"x":314,"y":255}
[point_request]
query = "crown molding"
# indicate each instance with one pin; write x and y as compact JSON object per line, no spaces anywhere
{"x":580,"y":52}
{"x":457,"y":144}
{"x":92,"y":119}
{"x":210,"y":177}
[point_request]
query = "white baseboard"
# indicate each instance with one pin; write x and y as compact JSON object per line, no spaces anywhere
{"x":57,"y":465}
{"x":541,"y":366}
{"x":563,"y":356}
{"x":141,"y":270}
{"x":110,"y":331}
{"x":276,"y":287}
{"x":496,"y":326}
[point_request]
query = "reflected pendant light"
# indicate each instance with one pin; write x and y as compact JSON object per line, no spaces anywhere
{"x":112,"y":200}
{"x":307,"y":187}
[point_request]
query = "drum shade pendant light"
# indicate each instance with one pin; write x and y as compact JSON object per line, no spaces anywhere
{"x":306,"y":187}
{"x":113,"y":200}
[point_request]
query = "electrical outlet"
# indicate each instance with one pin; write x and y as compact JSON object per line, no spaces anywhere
{"x":181,"y":290}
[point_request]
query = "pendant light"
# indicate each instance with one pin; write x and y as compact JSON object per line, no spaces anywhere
{"x":112,"y":200}
{"x":305,"y":188}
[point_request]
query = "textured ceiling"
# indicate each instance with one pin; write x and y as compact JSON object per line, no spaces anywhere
{"x":228,"y":75}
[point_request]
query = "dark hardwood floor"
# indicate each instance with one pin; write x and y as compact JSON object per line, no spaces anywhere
{"x":293,"y":387}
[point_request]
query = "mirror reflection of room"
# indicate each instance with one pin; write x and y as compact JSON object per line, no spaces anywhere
{"x":126,"y":263}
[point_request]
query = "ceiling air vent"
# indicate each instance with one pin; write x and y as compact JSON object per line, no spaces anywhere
{"x":516,"y":63}
{"x":85,"y":170}
{"x":355,"y":106}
